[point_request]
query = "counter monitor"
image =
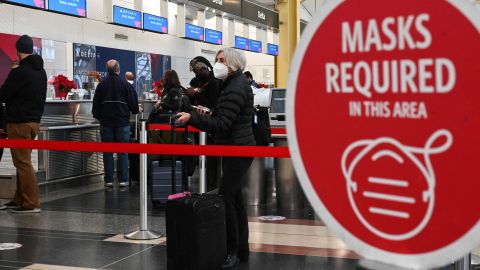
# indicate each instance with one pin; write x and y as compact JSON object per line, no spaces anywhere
{"x":155,"y":23}
{"x":127,"y":17}
{"x":255,"y":46}
{"x":194,"y":32}
{"x":28,"y":3}
{"x":70,"y":7}
{"x":272,"y":49}
{"x":212,"y":36}
{"x":241,"y":43}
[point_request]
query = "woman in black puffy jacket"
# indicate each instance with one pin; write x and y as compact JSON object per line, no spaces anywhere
{"x":231,"y":122}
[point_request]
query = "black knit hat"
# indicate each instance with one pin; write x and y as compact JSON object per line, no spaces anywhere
{"x":24,"y":44}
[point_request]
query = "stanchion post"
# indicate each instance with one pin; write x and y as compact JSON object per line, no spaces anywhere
{"x":463,"y":263}
{"x":143,"y":233}
{"x":203,"y":163}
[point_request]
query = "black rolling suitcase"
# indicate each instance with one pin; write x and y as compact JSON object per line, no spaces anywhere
{"x":196,"y":232}
{"x":161,"y":180}
{"x":168,"y":176}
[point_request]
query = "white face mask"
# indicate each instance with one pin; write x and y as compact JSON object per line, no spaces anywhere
{"x":220,"y":71}
{"x":131,"y":82}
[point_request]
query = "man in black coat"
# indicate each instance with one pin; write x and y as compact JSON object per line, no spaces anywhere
{"x":24,"y":93}
{"x":114,"y":100}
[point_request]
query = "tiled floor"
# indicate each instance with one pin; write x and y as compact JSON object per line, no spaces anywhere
{"x":84,"y":230}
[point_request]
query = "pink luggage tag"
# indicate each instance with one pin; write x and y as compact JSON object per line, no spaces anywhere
{"x":179,"y":195}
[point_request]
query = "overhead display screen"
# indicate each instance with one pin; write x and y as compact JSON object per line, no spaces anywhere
{"x":214,"y":37}
{"x":127,"y":17}
{"x":241,"y":43}
{"x":155,"y":23}
{"x":194,"y":32}
{"x":72,"y":7}
{"x":30,"y":3}
{"x":272,"y":49}
{"x":255,"y":46}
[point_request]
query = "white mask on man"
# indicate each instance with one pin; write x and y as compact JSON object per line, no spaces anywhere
{"x":131,"y":82}
{"x":220,"y":71}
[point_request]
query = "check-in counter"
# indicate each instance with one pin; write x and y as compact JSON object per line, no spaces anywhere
{"x":65,"y":120}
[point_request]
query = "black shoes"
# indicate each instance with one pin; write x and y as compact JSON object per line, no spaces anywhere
{"x":230,"y":262}
{"x":9,"y":205}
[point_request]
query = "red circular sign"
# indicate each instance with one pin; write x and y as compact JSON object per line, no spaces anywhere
{"x":384,"y":106}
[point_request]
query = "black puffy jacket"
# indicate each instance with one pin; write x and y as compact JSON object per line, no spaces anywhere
{"x":231,"y":121}
{"x":24,"y":91}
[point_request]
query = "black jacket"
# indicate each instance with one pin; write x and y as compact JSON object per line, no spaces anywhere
{"x":2,"y":116}
{"x":24,"y":91}
{"x":209,"y":92}
{"x":231,"y":121}
{"x":114,"y":99}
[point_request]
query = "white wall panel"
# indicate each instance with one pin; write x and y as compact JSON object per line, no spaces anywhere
{"x":95,"y":9}
{"x":49,"y":25}
{"x":6,"y":18}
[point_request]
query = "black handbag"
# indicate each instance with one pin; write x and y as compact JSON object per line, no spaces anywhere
{"x":261,"y":126}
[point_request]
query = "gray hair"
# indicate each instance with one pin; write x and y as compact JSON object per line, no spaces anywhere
{"x":234,"y":59}
{"x":113,"y":67}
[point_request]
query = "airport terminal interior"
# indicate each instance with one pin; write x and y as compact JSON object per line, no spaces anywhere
{"x":83,"y":222}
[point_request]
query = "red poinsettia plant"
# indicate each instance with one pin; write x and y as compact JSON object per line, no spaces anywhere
{"x":158,"y":87}
{"x":62,"y":83}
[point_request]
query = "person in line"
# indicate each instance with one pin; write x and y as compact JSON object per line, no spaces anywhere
{"x":204,"y":91}
{"x":250,"y":79}
{"x":205,"y":87}
{"x":113,"y":102}
{"x":171,"y":99}
{"x":24,"y":93}
{"x":129,"y":77}
{"x":231,"y":122}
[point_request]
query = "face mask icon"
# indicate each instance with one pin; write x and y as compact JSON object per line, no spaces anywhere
{"x":391,"y":186}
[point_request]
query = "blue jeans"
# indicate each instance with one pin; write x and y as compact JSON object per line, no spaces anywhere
{"x":121,"y":134}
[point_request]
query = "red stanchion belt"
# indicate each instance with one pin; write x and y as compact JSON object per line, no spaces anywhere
{"x":165,"y":149}
{"x":167,"y":127}
{"x":275,"y":131}
{"x":278,"y":131}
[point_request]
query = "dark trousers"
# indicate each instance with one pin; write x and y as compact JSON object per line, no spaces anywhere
{"x":234,"y":168}
{"x":1,"y":153}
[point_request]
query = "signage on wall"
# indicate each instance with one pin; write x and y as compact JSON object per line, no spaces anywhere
{"x":255,"y":46}
{"x":8,"y":53}
{"x":155,"y":23}
{"x":233,"y":7}
{"x":212,"y":36}
{"x":391,"y":163}
{"x":272,"y":49}
{"x":127,"y":17}
{"x":30,"y":3}
{"x":258,"y":14}
{"x":72,"y":7}
{"x":241,"y":43}
{"x":194,"y":32}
